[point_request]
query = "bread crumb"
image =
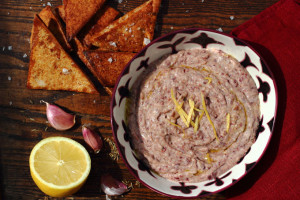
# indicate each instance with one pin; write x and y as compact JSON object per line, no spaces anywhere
{"x":231,"y":17}
{"x":65,"y":71}
{"x":110,"y":60}
{"x":146,"y":41}
{"x":9,"y":48}
{"x":113,"y":44}
{"x":172,"y":27}
{"x":94,"y":101}
{"x":25,"y":55}
{"x":9,"y":78}
{"x":30,"y":8}
{"x":220,"y":29}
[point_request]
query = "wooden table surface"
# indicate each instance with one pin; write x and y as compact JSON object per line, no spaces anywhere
{"x":23,"y":122}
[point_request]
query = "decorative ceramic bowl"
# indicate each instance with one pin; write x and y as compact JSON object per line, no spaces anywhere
{"x":172,"y":43}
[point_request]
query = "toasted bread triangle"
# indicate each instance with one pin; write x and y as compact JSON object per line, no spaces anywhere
{"x":131,"y":32}
{"x":103,"y":18}
{"x":53,"y":24}
{"x":50,"y":67}
{"x":78,"y":13}
{"x":80,"y":49}
{"x":107,"y":66}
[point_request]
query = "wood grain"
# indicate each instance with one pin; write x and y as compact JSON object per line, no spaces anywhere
{"x":23,"y":121}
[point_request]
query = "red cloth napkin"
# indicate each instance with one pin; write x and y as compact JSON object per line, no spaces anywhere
{"x":275,"y":35}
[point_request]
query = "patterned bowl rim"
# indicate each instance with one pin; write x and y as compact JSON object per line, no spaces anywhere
{"x":143,"y":50}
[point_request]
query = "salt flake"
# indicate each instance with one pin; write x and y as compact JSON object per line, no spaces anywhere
{"x":231,"y":17}
{"x":9,"y":48}
{"x":3,"y":48}
{"x":49,"y":4}
{"x":220,"y":29}
{"x":25,"y":55}
{"x":65,"y":71}
{"x":113,"y":44}
{"x":146,"y":41}
{"x":10,"y":103}
{"x":9,"y":78}
{"x":110,"y":60}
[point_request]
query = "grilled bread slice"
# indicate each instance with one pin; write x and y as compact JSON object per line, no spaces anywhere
{"x":107,"y":66}
{"x":131,"y":32}
{"x":54,"y":25}
{"x":78,"y":13}
{"x":50,"y":67}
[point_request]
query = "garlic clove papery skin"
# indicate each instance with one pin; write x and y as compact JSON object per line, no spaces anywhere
{"x":92,"y":139}
{"x":111,"y":186}
{"x":58,"y":118}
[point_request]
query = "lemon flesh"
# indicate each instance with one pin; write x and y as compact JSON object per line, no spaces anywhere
{"x":59,"y":166}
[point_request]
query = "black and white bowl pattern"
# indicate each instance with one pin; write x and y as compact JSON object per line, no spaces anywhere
{"x":172,"y":43}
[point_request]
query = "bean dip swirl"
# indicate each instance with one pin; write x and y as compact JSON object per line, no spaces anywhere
{"x":193,"y":115}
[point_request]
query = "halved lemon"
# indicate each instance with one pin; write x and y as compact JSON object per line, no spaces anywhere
{"x":59,"y":166}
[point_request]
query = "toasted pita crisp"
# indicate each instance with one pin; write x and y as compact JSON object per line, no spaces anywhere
{"x":50,"y":67}
{"x":131,"y":32}
{"x":60,"y":10}
{"x":53,"y":24}
{"x":80,"y":52}
{"x":107,"y":66}
{"x":103,"y":18}
{"x":78,"y":13}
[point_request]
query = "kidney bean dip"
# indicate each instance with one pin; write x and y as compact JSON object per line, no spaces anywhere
{"x":193,"y":115}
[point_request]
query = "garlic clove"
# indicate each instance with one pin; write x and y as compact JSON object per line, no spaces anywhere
{"x":92,"y":139}
{"x":111,"y":186}
{"x":58,"y":118}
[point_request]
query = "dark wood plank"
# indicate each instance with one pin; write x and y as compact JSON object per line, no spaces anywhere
{"x":23,"y":122}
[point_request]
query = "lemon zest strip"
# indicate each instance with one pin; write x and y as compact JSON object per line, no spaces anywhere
{"x":179,"y":109}
{"x":208,"y":117}
{"x":192,"y":105}
{"x":208,"y":158}
{"x":209,"y":79}
{"x":227,"y":122}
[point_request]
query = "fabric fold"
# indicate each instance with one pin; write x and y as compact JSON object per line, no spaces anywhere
{"x":275,"y":35}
